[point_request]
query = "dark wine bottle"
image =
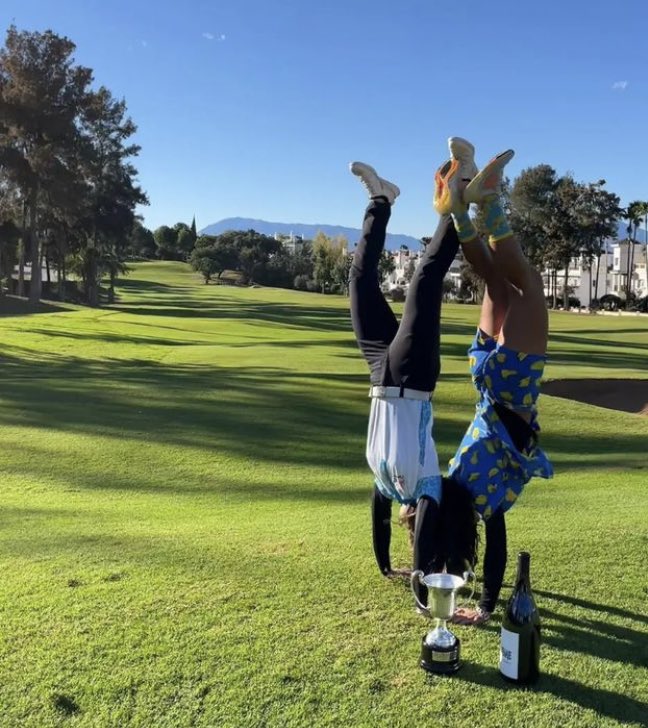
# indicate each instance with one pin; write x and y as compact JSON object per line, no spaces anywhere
{"x":520,"y":637}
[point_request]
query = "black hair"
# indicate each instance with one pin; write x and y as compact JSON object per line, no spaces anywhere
{"x":458,"y":527}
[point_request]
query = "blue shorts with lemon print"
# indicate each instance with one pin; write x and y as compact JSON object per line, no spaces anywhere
{"x":487,"y":462}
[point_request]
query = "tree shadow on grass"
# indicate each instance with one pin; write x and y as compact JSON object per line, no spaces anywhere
{"x":111,"y":338}
{"x":577,"y":339}
{"x":268,"y":414}
{"x":599,"y":358}
{"x":605,"y":702}
{"x":286,"y":315}
{"x":612,"y":331}
{"x":585,"y":604}
{"x":587,"y":636}
{"x":174,"y":302}
{"x":15,"y":306}
{"x":262,"y":413}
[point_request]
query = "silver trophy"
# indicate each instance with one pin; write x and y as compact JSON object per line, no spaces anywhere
{"x":441,"y":648}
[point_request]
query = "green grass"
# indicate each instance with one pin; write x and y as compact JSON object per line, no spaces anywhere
{"x":184,"y":523}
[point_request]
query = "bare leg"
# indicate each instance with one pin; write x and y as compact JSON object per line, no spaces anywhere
{"x":526,"y":324}
{"x":496,"y":296}
{"x":494,"y":307}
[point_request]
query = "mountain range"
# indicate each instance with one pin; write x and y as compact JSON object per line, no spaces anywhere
{"x":308,"y":232}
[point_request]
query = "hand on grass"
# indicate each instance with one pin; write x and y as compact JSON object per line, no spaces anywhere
{"x":470,"y":617}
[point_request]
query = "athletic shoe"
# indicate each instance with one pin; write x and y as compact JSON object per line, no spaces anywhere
{"x":489,"y":181}
{"x":376,"y":186}
{"x":452,"y":176}
{"x":464,"y":152}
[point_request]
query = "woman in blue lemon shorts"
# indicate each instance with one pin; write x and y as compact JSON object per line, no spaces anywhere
{"x":500,"y":450}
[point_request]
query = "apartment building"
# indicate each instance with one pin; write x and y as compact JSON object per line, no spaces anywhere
{"x":405,"y":261}
{"x":606,"y":275}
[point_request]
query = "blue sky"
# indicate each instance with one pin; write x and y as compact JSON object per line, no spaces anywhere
{"x":254,"y":108}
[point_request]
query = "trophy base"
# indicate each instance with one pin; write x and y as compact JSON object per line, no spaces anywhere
{"x":440,"y":660}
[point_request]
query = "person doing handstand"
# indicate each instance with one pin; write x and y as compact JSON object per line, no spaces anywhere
{"x":500,"y":451}
{"x":404,"y":364}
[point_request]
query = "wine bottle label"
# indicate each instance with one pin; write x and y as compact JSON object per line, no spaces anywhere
{"x":509,"y":654}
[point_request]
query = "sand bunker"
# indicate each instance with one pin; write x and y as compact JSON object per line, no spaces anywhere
{"x":626,"y":395}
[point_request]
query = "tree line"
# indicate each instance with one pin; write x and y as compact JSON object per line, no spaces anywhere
{"x":69,"y":191}
{"x":68,"y":188}
{"x":556,"y":219}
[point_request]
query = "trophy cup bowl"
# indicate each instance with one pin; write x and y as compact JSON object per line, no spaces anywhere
{"x":440,"y":649}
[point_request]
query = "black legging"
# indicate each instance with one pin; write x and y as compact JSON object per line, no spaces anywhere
{"x":405,"y":355}
{"x":426,"y":554}
{"x":494,"y":560}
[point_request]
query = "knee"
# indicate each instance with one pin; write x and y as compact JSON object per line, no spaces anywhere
{"x":359,"y":275}
{"x":531,"y":283}
{"x":535,"y":279}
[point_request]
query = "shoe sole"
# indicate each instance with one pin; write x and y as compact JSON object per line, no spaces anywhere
{"x":489,"y":178}
{"x":445,"y":180}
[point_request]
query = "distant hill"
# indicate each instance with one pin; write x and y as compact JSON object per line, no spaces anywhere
{"x":394,"y":241}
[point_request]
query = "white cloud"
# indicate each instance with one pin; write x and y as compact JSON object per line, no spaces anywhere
{"x":620,"y":85}
{"x":211,"y":36}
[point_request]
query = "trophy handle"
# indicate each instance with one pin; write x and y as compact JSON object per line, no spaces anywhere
{"x":467,"y":576}
{"x":416,"y":576}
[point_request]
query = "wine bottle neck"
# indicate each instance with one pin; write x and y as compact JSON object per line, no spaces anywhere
{"x":523,"y":579}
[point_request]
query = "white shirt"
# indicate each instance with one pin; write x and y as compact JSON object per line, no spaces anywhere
{"x":400,"y":449}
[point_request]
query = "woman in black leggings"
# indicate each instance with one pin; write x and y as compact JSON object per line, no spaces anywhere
{"x":404,"y":361}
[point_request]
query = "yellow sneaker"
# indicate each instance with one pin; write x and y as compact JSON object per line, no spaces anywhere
{"x":489,"y":181}
{"x":452,"y":176}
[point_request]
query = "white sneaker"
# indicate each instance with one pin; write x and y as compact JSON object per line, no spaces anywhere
{"x":464,"y":152}
{"x":376,"y":186}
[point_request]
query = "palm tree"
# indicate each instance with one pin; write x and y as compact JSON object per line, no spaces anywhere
{"x":634,"y":213}
{"x":643,"y":212}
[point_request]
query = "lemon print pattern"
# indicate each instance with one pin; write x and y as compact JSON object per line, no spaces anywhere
{"x":487,"y":462}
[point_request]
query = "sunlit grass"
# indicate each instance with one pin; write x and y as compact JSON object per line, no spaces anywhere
{"x":184,"y":526}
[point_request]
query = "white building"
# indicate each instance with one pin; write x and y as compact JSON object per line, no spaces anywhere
{"x":291,"y":242}
{"x":606,"y":275}
{"x":405,"y":262}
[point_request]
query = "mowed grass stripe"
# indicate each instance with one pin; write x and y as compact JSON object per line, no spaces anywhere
{"x":184,"y":528}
